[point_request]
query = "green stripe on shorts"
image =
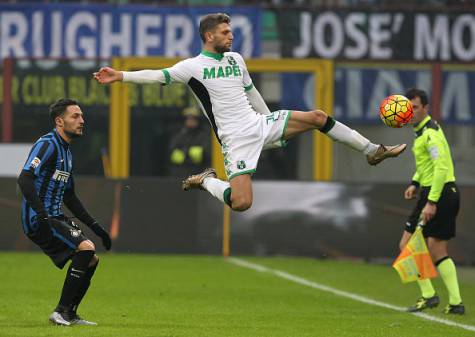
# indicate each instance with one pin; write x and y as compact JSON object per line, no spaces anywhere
{"x":168,"y":79}
{"x":283,"y":142}
{"x":241,"y":173}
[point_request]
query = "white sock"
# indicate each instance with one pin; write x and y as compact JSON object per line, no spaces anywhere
{"x":343,"y":134}
{"x":216,"y":187}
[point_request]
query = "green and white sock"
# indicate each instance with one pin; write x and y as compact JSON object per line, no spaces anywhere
{"x":218,"y":188}
{"x":343,"y":134}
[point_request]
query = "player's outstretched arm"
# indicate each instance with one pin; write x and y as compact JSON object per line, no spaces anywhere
{"x":107,"y":75}
{"x":73,"y":203}
{"x":257,"y":101}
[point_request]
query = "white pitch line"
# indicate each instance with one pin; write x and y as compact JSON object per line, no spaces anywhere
{"x":359,"y":298}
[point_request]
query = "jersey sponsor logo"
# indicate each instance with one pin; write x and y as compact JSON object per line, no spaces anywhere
{"x":218,"y":72}
{"x":61,"y":176}
{"x":35,"y":162}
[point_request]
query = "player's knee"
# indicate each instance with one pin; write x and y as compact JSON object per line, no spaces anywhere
{"x":94,"y":261}
{"x":87,"y":245}
{"x":402,"y":245}
{"x":319,"y":118}
{"x":241,"y":204}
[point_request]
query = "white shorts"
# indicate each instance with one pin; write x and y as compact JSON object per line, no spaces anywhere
{"x":241,"y":153}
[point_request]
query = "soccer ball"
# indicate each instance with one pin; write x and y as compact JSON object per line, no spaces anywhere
{"x":396,"y":111}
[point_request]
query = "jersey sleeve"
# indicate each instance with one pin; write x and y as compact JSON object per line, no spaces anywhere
{"x":39,"y":155}
{"x":246,"y":78}
{"x":70,"y":183}
{"x":180,"y":72}
{"x":440,"y":159}
{"x":177,"y":73}
{"x":415,"y":179}
{"x":144,"y":76}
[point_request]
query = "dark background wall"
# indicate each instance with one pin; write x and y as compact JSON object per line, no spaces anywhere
{"x":323,"y":220}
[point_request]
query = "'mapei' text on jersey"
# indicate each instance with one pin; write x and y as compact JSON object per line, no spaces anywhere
{"x":219,"y":82}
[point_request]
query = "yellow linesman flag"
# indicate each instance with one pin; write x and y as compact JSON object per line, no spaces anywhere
{"x":414,"y":263}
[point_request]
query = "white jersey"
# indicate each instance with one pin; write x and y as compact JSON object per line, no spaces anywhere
{"x":219,"y":82}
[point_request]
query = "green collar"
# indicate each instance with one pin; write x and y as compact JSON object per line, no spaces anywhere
{"x":422,"y":123}
{"x":216,"y":56}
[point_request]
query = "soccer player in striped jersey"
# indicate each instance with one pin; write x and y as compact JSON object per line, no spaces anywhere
{"x":240,"y":118}
{"x":46,"y":181}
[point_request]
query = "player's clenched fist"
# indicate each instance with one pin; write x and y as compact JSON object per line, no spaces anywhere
{"x":410,"y":192}
{"x":107,"y":75}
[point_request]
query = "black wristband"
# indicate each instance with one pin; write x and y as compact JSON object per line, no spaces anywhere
{"x":415,"y":183}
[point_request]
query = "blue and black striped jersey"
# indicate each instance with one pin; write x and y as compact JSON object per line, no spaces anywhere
{"x":50,"y":160}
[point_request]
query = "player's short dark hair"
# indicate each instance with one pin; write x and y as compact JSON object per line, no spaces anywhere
{"x":210,"y":21}
{"x":414,"y":92}
{"x":59,"y":107}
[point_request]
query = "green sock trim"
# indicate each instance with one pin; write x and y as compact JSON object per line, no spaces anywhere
{"x":227,"y":196}
{"x":427,"y":289}
{"x":448,"y":273}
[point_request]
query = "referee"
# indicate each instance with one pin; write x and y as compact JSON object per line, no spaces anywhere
{"x":45,"y":181}
{"x":438,"y":203}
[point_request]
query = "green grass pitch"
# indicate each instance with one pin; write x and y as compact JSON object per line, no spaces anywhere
{"x":204,"y":296}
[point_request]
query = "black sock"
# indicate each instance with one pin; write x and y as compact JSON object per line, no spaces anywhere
{"x":84,"y":287}
{"x":75,"y":277}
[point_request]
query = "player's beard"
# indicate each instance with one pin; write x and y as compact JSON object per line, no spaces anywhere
{"x":73,"y":135}
{"x":222,"y":49}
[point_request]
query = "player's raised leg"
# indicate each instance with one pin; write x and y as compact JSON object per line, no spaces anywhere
{"x":302,"y":121}
{"x":241,"y":186}
{"x":241,"y":192}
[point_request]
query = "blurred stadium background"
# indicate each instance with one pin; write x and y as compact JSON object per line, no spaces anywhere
{"x":312,"y":198}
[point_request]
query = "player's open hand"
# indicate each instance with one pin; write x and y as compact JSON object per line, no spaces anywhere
{"x":107,"y":75}
{"x":428,"y":211}
{"x":410,"y":192}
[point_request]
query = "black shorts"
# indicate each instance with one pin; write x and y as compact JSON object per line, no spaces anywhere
{"x":60,"y":241}
{"x":442,"y":225}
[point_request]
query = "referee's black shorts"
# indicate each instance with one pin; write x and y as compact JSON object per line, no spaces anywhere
{"x":442,"y":225}
{"x":60,"y":241}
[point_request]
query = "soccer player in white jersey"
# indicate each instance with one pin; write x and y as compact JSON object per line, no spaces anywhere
{"x":239,"y":116}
